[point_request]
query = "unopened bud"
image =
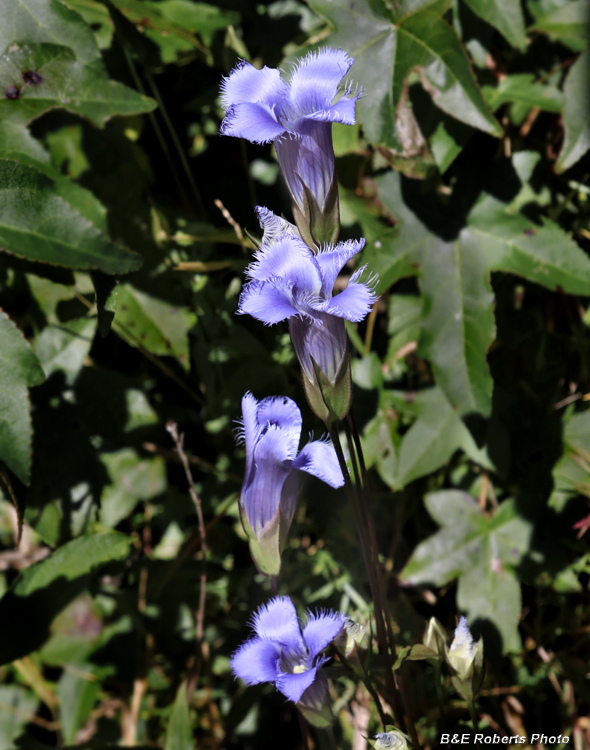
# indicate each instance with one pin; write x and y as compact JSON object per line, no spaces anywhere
{"x":353,"y":634}
{"x":435,"y":637}
{"x":393,"y":739}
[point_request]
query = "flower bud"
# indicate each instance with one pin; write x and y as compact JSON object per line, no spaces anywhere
{"x":466,"y":659}
{"x":353,"y":635}
{"x":393,"y":739}
{"x":435,"y":637}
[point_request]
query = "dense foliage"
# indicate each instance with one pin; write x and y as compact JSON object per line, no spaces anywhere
{"x":125,"y":226}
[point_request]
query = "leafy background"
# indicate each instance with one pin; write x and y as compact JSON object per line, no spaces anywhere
{"x":468,"y":176}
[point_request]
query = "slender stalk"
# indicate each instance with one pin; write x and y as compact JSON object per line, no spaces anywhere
{"x":351,"y":430}
{"x":362,"y":675}
{"x":381,"y":635}
{"x":473,"y":713}
{"x":273,"y":585}
{"x":200,"y":614}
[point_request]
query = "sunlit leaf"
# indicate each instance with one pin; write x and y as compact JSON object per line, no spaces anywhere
{"x":481,"y":552}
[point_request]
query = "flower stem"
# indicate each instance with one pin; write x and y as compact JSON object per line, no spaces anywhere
{"x":473,"y":713}
{"x":371,"y":571}
{"x":365,"y":502}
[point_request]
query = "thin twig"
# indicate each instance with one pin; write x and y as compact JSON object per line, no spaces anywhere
{"x":172,"y":428}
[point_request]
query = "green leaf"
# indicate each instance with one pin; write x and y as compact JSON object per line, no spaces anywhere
{"x":434,"y":436}
{"x":571,"y":474}
{"x":77,"y":695}
{"x":132,"y":480}
{"x":387,"y":45}
{"x":481,"y":552}
{"x":576,"y":114}
{"x":457,"y":318}
{"x":37,"y":223}
{"x":19,"y":370}
{"x":64,"y":347}
{"x":41,"y":591}
{"x":457,"y":322}
{"x":35,"y":21}
{"x":504,"y":15}
{"x":45,"y":76}
{"x":197,"y":17}
{"x":97,"y":17}
{"x":179,"y":735}
{"x":521,"y":88}
{"x":158,"y":326}
{"x":568,"y":24}
{"x":544,"y":254}
{"x":152,"y":17}
{"x":23,"y":704}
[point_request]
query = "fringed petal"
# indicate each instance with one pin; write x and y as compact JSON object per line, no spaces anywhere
{"x":247,"y":84}
{"x":331,"y":260}
{"x":253,"y":122}
{"x":315,"y":80}
{"x":319,"y":458}
{"x":321,"y":629}
{"x":256,"y":661}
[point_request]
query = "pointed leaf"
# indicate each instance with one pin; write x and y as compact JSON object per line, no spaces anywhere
{"x":41,"y":591}
{"x":576,"y":114}
{"x":568,"y":23}
{"x":179,"y":735}
{"x":38,"y":224}
{"x":160,"y":327}
{"x":19,"y":370}
{"x":504,"y":15}
{"x":386,"y":45}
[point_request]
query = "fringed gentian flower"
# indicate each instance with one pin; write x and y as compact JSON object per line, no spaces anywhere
{"x":290,"y":282}
{"x":287,"y":656}
{"x":271,"y":430}
{"x":297,"y":115}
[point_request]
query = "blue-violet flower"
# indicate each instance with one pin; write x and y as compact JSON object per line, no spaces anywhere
{"x":290,"y":282}
{"x":271,"y":430}
{"x":297,"y":115}
{"x":285,"y":655}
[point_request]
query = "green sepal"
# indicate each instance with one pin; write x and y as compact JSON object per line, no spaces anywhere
{"x":468,"y":677}
{"x":316,"y":226}
{"x":330,"y":401}
{"x":267,"y":546}
{"x":321,"y":717}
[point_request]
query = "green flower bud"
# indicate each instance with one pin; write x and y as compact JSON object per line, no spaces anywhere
{"x":435,"y":637}
{"x":393,"y":739}
{"x":466,"y":659}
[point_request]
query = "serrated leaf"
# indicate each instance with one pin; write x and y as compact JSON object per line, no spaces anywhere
{"x":50,"y":21}
{"x":434,"y":436}
{"x":522,"y":89}
{"x":504,"y":15}
{"x":179,"y":735}
{"x":40,"y":77}
{"x":576,"y":114}
{"x":457,"y":322}
{"x":544,"y":254}
{"x":19,"y":370}
{"x":481,"y":552}
{"x":568,"y":23}
{"x":41,"y":591}
{"x":387,"y":44}
{"x":158,"y":326}
{"x":38,"y":224}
